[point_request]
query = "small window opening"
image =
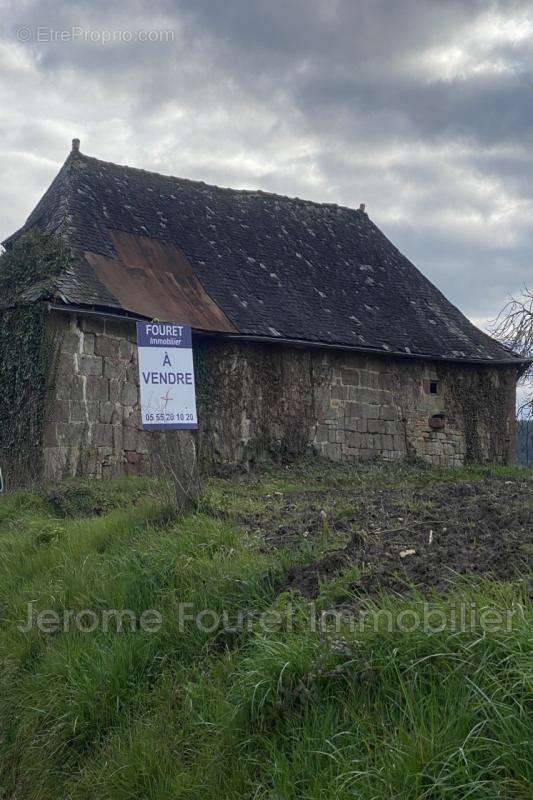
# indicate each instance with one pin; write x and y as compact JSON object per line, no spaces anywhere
{"x":433,"y":387}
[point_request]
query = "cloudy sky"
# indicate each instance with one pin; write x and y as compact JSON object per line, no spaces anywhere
{"x":422,"y":109}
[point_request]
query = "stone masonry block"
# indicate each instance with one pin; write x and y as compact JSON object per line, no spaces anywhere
{"x":388,"y":412}
{"x":333,"y":451}
{"x":353,"y":439}
{"x":107,"y":411}
{"x":130,"y":438}
{"x":118,"y":438}
{"x":377,"y":443}
{"x":85,"y":412}
{"x":367,"y":441}
{"x":339,"y":393}
{"x":70,"y":343}
{"x":54,"y":460}
{"x":115,"y":390}
{"x":125,"y":350}
{"x":89,"y":365}
{"x":388,"y":442}
{"x":145,"y":441}
{"x":367,"y":395}
{"x":92,"y":324}
{"x":369,"y":411}
{"x":90,"y":461}
{"x":366,"y":453}
{"x":352,"y":393}
{"x":132,"y":416}
{"x":66,"y":364}
{"x":129,"y":394}
{"x":321,"y":433}
{"x":60,"y":411}
{"x":115,"y":369}
{"x":70,"y":433}
{"x":105,"y":346}
{"x":433,"y":448}
{"x":387,"y":381}
{"x":122,"y":329}
{"x":385,"y":398}
{"x":350,"y":377}
{"x":132,"y":372}
{"x":369,"y":380}
{"x":393,"y":427}
{"x":376,"y":426}
{"x":350,"y":453}
{"x":105,"y":452}
{"x":69,"y":387}
{"x":97,"y":388}
{"x":399,"y":442}
{"x":331,"y":412}
{"x":102,"y":435}
{"x":88,"y":343}
{"x":50,"y":437}
{"x":353,"y":409}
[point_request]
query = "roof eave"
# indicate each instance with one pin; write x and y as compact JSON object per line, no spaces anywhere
{"x":116,"y":313}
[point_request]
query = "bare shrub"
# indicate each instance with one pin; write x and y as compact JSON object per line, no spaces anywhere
{"x":175,"y":461}
{"x":514,"y":328}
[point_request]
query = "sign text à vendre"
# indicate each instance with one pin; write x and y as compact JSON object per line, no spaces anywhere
{"x":166,"y":376}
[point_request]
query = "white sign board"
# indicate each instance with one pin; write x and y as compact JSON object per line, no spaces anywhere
{"x":166,"y":376}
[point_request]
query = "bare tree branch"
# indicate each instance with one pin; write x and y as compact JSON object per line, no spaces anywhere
{"x":514,"y":329}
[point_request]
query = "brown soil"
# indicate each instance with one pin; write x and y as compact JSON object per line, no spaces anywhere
{"x":480,"y":528}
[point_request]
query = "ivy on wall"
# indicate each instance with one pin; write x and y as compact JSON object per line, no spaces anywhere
{"x":263,"y":387}
{"x":27,"y":353}
{"x":482,"y":402}
{"x":32,"y":262}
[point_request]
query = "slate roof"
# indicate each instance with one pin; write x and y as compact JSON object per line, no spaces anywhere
{"x":277,"y":267}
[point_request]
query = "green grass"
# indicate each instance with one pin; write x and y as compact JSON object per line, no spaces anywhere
{"x":266,"y":713}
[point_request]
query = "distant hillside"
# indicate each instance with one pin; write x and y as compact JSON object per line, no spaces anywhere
{"x":524,"y":442}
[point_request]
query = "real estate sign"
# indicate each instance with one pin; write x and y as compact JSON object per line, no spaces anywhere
{"x":166,"y":376}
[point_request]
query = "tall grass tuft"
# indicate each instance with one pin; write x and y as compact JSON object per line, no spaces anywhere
{"x":286,"y":711}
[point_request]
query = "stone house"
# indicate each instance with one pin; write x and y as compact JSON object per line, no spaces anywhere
{"x":311,"y":331}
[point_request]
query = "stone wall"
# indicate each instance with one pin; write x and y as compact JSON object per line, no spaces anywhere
{"x":93,"y":422}
{"x":382,"y":406}
{"x":257,"y":401}
{"x":269,"y":398}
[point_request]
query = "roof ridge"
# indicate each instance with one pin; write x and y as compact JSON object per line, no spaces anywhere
{"x":65,"y":198}
{"x":229,"y":189}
